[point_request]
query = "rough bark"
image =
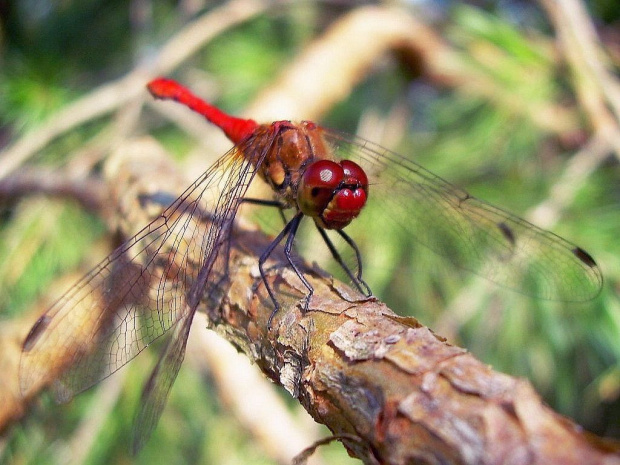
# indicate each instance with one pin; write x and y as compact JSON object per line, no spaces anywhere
{"x":405,"y":392}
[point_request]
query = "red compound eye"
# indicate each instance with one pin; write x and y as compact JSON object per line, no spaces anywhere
{"x":333,"y":194}
{"x":344,"y":207}
{"x":318,"y":185}
{"x":354,"y":174}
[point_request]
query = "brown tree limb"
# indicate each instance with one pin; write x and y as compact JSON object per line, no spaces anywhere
{"x":408,"y":394}
{"x":362,"y":370}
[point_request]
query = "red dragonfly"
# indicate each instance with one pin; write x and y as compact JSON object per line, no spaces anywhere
{"x":156,"y":280}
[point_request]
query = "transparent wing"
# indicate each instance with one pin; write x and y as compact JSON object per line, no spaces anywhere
{"x":159,"y":384}
{"x":471,"y":233}
{"x":141,"y":290}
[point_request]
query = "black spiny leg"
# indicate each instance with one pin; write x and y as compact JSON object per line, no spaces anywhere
{"x":268,"y":203}
{"x":357,"y":278}
{"x":287,"y":251}
{"x":290,"y":229}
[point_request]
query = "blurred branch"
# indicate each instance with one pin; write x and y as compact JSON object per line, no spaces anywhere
{"x":596,"y":86}
{"x":330,"y":67}
{"x":309,"y":86}
{"x":89,"y":192}
{"x":93,"y":421}
{"x":115,"y":95}
{"x":575,"y":175}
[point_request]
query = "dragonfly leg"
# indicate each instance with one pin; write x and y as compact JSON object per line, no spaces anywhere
{"x":357,"y":279}
{"x":264,"y":202}
{"x":228,"y":242}
{"x":268,"y":203}
{"x":289,"y":230}
{"x":287,"y":251}
{"x":360,"y":283}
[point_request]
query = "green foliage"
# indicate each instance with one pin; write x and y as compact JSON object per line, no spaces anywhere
{"x":248,"y":57}
{"x":30,"y":246}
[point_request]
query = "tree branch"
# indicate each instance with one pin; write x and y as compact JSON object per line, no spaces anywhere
{"x":409,"y":395}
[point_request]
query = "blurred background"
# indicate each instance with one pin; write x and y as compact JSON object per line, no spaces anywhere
{"x":518,"y":102}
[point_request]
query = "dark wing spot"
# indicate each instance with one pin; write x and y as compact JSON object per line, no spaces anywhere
{"x":315,"y":191}
{"x":507,"y":232}
{"x":584,"y":256}
{"x":35,"y":332}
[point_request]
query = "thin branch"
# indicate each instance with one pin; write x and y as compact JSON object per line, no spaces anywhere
{"x":597,"y":88}
{"x":577,"y":32}
{"x":94,"y":420}
{"x":326,"y":71}
{"x":576,"y":174}
{"x":116,"y":94}
{"x":89,"y":192}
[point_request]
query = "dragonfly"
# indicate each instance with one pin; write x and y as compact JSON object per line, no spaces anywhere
{"x":153,"y":283}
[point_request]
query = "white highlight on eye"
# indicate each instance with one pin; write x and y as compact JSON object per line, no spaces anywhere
{"x":326,"y":175}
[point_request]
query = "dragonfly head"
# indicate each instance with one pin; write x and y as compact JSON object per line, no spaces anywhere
{"x":332,"y":193}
